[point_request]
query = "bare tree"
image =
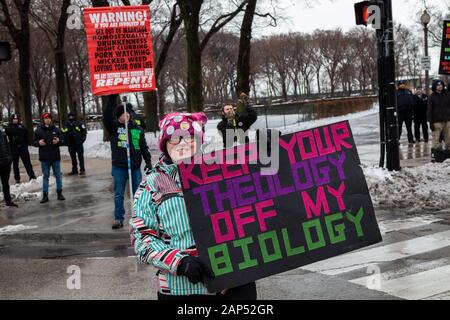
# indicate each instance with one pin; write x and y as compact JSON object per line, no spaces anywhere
{"x":190,"y":13}
{"x":18,"y":26}
{"x":331,"y":47}
{"x":52,"y":19}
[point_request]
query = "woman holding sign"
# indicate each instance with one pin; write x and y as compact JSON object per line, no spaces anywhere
{"x":160,"y":229}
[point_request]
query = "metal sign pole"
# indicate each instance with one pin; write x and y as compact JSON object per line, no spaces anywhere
{"x":128,"y":154}
{"x":393,"y":145}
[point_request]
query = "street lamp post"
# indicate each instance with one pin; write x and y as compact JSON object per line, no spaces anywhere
{"x":425,"y":19}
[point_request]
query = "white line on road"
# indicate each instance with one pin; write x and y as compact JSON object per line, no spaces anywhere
{"x":387,"y":226}
{"x":415,"y":286}
{"x":363,"y":258}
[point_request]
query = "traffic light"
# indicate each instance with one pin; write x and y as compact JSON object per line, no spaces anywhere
{"x":5,"y":51}
{"x":362,"y":12}
{"x":369,"y":13}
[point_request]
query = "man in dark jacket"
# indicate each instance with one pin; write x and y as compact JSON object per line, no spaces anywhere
{"x":114,"y":122}
{"x":18,"y":141}
{"x":48,"y":138}
{"x":405,"y":105}
{"x":439,"y":116}
{"x":5,"y":167}
{"x":74,"y":136}
{"x":237,"y":123}
{"x":420,"y":115}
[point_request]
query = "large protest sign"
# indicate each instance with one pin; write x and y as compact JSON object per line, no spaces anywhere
{"x":248,"y":225}
{"x":120,"y":49}
{"x":444,"y":63}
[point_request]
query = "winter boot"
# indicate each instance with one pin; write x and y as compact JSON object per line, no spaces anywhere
{"x":117,"y":224}
{"x":44,"y":197}
{"x":11,"y":204}
{"x":60,"y":196}
{"x":73,"y":173}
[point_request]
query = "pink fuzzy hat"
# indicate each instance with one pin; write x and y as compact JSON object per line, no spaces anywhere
{"x":193,"y":123}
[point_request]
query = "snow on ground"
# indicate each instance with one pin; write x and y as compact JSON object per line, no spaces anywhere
{"x":322,"y":122}
{"x":415,"y":190}
{"x":27,"y":191}
{"x":94,"y":147}
{"x":15,"y":228}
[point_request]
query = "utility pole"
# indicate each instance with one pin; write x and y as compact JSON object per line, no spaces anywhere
{"x":379,"y":13}
{"x":392,"y":139}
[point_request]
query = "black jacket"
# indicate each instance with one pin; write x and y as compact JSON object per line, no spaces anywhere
{"x":74,"y":133}
{"x":243,"y":121}
{"x":136,"y":118}
{"x":405,"y":100}
{"x":117,"y":137}
{"x":49,"y":152}
{"x":17,"y":134}
{"x":420,"y":105}
{"x":438,"y":107}
{"x":5,"y":151}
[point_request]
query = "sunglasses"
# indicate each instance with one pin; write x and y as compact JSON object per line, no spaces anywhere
{"x":177,"y":139}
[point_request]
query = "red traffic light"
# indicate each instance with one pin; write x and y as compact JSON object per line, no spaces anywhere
{"x":362,"y":12}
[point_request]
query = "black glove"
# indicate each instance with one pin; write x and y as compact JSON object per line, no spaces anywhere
{"x":431,"y":126}
{"x":147,"y":169}
{"x":195,"y":270}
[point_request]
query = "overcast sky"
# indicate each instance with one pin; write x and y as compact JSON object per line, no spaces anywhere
{"x":330,"y":14}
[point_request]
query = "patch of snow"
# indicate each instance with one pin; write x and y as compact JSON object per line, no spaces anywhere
{"x":95,"y":147}
{"x":27,"y":191}
{"x":15,"y":228}
{"x":416,"y":190}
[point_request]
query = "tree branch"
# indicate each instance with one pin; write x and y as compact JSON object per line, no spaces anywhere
{"x":7,"y":21}
{"x":175,"y":22}
{"x":218,"y":25}
{"x":273,"y":22}
{"x":46,"y":27}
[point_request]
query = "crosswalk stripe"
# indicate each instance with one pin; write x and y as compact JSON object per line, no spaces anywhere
{"x":387,"y":226}
{"x":365,"y":257}
{"x":415,"y":286}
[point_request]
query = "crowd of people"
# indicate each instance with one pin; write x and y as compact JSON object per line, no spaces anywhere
{"x":48,"y":138}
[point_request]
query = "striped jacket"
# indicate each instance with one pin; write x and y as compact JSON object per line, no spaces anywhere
{"x":160,"y":230}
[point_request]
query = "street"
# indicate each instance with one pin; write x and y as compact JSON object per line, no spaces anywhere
{"x":73,"y":237}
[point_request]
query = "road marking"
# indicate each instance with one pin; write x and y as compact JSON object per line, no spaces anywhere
{"x":363,"y":258}
{"x":415,"y":286}
{"x":387,"y":226}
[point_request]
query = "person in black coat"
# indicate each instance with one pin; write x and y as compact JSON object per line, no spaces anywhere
{"x":420,"y":115}
{"x":5,"y":167}
{"x":18,"y":140}
{"x":48,"y":138}
{"x":114,"y":117}
{"x":74,"y":136}
{"x":241,"y":120}
{"x":438,"y":114}
{"x":405,"y":105}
